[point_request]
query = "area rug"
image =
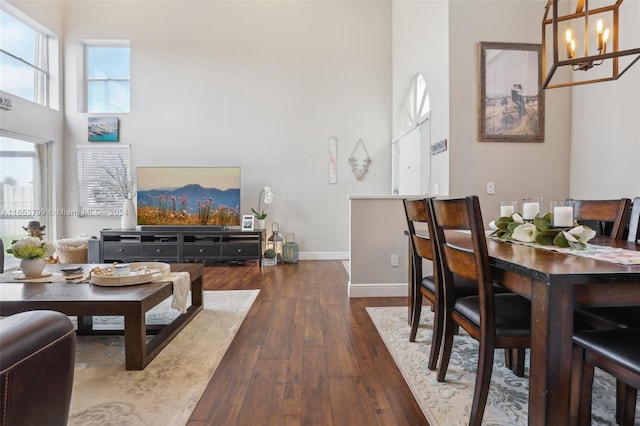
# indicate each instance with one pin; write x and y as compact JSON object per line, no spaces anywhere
{"x":449,"y":403}
{"x":168,"y":389}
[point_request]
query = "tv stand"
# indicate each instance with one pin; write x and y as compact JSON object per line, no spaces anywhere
{"x":183,"y":245}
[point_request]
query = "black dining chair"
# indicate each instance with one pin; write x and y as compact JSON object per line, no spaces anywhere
{"x":614,"y":351}
{"x":418,"y":214}
{"x":495,"y":320}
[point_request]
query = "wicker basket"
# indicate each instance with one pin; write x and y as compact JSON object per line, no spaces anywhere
{"x":72,"y":250}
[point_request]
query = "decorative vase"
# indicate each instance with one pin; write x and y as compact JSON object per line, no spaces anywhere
{"x":260,"y":223}
{"x":128,"y":218}
{"x":32,"y":267}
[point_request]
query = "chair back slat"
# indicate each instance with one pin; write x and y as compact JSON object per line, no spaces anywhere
{"x":634,"y":220}
{"x":463,"y":214}
{"x":417,"y":213}
{"x":607,"y":214}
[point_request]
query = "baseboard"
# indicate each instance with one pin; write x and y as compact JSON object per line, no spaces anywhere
{"x":378,"y":290}
{"x":319,"y":255}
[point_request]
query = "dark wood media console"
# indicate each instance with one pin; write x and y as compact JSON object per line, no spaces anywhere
{"x":181,"y":246}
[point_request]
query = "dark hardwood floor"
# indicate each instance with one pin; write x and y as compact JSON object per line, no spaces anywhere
{"x":305,"y":355}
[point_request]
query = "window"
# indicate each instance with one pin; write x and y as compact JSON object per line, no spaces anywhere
{"x":24,"y":59}
{"x":96,"y":197}
{"x":23,"y":188}
{"x":108,"y":78}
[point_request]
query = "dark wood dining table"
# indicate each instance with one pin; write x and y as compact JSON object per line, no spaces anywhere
{"x":556,"y":283}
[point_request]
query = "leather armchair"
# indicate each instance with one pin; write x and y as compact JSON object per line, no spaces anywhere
{"x":36,"y":368}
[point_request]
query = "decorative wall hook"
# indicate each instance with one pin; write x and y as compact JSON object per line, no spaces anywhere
{"x":359,"y":160}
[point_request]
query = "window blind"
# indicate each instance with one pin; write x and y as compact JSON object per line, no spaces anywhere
{"x":95,"y":195}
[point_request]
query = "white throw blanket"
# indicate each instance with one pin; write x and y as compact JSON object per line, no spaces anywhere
{"x":181,"y":286}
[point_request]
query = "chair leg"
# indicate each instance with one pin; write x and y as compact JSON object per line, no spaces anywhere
{"x":625,"y":404}
{"x":508,"y":362}
{"x":483,"y":380}
{"x":416,"y":311}
{"x":447,"y":345}
{"x":516,"y":360}
{"x":585,"y":391}
{"x":436,"y":338}
{"x":577,"y":360}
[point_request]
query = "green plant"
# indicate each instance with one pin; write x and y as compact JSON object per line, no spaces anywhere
{"x":541,"y":232}
{"x":270,"y":254}
{"x":31,"y":248}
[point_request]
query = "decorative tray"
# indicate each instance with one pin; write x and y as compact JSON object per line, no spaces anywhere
{"x":140,"y":272}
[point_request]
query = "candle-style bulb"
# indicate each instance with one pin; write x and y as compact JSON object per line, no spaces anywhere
{"x":571,"y":46}
{"x":568,"y":36}
{"x":605,"y":35}
{"x":599,"y":26}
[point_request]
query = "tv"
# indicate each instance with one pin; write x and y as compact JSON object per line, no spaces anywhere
{"x":188,"y":196}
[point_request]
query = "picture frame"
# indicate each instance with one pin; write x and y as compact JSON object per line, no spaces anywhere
{"x":247,"y":222}
{"x":103,"y":129}
{"x":511,"y":99}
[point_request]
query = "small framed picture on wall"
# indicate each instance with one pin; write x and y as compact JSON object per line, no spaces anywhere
{"x":247,"y":222}
{"x":104,"y":129}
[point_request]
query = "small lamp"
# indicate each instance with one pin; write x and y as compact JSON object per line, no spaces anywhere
{"x":275,"y":241}
{"x":290,"y":249}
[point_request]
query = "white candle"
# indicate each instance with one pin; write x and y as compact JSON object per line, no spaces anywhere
{"x":563,"y":217}
{"x":506,"y":211}
{"x":530,"y":210}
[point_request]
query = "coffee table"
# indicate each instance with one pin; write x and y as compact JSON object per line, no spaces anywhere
{"x":86,"y":300}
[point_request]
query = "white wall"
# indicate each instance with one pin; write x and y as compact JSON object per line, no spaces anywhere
{"x":420,"y":45}
{"x":262,"y":85}
{"x":605,"y":122}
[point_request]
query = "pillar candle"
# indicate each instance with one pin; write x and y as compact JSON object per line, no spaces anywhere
{"x":506,"y":211}
{"x":530,"y":210}
{"x":563,"y":217}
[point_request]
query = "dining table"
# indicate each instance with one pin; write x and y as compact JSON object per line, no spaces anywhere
{"x":558,"y":282}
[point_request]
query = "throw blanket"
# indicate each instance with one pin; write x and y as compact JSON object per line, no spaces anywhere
{"x":181,"y":286}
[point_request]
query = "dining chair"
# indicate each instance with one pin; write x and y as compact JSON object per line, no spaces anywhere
{"x":495,"y":320}
{"x":614,"y":351}
{"x":606,"y":217}
{"x":612,"y":217}
{"x":418,"y":214}
{"x":634,"y":220}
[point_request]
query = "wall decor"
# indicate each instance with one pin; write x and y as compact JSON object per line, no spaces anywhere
{"x":333,"y":152}
{"x":359,"y":160}
{"x":511,"y":99}
{"x":104,"y":129}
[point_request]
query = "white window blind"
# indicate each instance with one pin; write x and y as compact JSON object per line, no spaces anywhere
{"x":95,"y":196}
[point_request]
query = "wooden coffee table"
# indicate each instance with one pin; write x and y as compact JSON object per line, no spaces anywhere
{"x":86,"y":300}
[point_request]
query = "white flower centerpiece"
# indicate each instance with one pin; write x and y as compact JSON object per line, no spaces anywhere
{"x":541,"y":232}
{"x":32,"y":251}
{"x":123,"y":184}
{"x":266,"y":196}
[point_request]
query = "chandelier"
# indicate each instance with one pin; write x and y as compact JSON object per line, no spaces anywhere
{"x":586,"y":42}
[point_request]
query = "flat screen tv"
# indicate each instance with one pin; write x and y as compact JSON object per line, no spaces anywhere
{"x":188,"y":196}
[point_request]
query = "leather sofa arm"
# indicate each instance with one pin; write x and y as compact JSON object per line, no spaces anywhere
{"x":36,"y":368}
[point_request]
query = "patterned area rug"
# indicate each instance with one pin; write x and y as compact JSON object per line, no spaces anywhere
{"x":167,"y":390}
{"x":449,"y":403}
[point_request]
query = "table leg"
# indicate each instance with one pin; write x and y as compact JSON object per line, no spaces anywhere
{"x":551,"y":349}
{"x":85,"y":324}
{"x":135,"y":341}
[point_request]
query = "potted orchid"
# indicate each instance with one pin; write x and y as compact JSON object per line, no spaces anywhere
{"x":266,"y":196}
{"x":32,"y":252}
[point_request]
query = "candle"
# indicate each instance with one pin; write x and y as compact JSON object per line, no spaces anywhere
{"x":530,"y":210}
{"x":506,"y":211}
{"x":563,"y":217}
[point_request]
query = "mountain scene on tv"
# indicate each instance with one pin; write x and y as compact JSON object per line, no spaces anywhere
{"x":191,"y":204}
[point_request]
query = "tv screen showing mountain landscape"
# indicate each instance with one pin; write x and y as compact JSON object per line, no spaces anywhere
{"x":207,"y":196}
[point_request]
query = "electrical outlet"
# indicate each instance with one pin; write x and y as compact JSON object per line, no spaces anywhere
{"x":491,"y":188}
{"x":394,"y":260}
{"x":436,"y":189}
